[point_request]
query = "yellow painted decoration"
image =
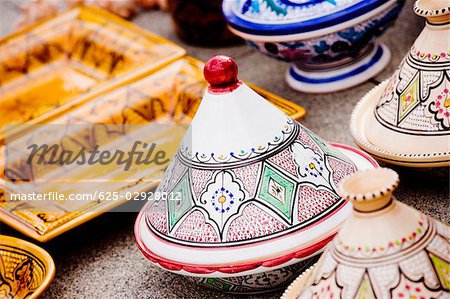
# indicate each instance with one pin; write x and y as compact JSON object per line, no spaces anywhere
{"x":26,"y":270}
{"x":222,"y":199}
{"x":443,"y":269}
{"x":365,"y":289}
{"x":447,"y":103}
{"x":46,"y":67}
{"x":408,"y":100}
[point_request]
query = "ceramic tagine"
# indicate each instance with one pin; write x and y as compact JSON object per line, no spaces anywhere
{"x":385,"y":249}
{"x":251,"y":195}
{"x":330,"y":43}
{"x":406,"y":120}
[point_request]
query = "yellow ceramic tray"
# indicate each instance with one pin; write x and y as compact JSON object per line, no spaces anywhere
{"x":164,"y":101}
{"x":50,"y":66}
{"x":26,"y":269}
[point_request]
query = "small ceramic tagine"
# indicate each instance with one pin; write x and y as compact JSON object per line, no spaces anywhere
{"x":385,"y":249}
{"x":406,"y":120}
{"x":251,"y":195}
{"x":330,"y":43}
{"x":26,"y":269}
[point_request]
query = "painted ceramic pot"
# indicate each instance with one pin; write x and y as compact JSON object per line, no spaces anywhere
{"x":330,"y":43}
{"x":385,"y":249}
{"x":26,"y":269}
{"x":250,"y":199}
{"x":406,"y":120}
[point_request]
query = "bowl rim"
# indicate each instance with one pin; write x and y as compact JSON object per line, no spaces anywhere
{"x":329,"y":23}
{"x":236,"y":269}
{"x":40,"y":254}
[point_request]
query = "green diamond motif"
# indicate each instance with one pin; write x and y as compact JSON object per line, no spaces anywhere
{"x":409,"y":99}
{"x":325,"y":147}
{"x":277,"y":190}
{"x":443,"y":269}
{"x":365,"y":289}
{"x":177,"y":208}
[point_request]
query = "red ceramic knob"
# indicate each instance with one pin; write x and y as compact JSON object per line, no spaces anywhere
{"x":221,"y":71}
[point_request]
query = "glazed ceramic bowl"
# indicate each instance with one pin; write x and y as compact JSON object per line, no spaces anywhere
{"x":331,"y":44}
{"x":26,"y":270}
{"x":385,"y":249}
{"x":406,"y":119}
{"x":250,"y":199}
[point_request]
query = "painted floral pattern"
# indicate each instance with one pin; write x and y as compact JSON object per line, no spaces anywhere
{"x":440,"y":107}
{"x":423,"y":273}
{"x":290,"y":188}
{"x":416,"y":99}
{"x":279,"y":10}
{"x":20,"y":273}
{"x":345,"y":43}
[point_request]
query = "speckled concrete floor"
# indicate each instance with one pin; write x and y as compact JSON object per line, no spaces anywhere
{"x":100,"y":260}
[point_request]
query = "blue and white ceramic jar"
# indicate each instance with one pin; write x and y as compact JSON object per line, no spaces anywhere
{"x":330,"y":43}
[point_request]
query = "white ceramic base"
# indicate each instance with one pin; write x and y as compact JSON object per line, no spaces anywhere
{"x":340,"y":78}
{"x":358,"y":126}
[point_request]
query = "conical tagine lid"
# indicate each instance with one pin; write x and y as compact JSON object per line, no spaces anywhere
{"x":385,"y":249}
{"x":407,"y":120}
{"x":249,"y":187}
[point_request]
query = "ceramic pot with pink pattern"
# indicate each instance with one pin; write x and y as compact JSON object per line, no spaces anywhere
{"x":385,"y":249}
{"x":250,"y":199}
{"x":406,"y":119}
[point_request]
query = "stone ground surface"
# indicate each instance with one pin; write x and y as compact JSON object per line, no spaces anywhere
{"x":100,"y":260}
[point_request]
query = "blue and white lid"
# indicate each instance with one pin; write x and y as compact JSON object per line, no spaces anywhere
{"x":286,"y":17}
